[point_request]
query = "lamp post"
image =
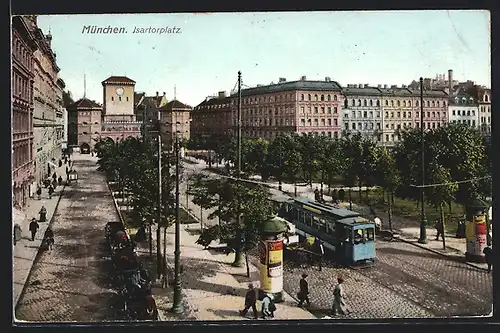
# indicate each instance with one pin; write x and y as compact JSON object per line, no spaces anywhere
{"x":177,"y":304}
{"x":423,"y":221}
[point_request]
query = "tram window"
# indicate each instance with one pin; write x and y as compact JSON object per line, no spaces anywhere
{"x":358,"y":236}
{"x":317,"y":223}
{"x":322,"y":225}
{"x":301,"y":217}
{"x":309,"y":220}
{"x":370,"y":234}
{"x":331,"y":228}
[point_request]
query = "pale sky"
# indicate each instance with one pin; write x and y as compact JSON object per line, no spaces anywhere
{"x":392,"y":47}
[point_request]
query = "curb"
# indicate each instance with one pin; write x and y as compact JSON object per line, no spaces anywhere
{"x":21,"y":294}
{"x":440,"y":253}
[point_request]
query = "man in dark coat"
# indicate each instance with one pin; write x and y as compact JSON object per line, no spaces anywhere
{"x":33,"y":228}
{"x":303,"y":294}
{"x":250,"y":302}
{"x":488,"y":256}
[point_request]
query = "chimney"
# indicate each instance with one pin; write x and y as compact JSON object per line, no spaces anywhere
{"x":385,"y":86}
{"x":327,"y":79}
{"x":303,"y":78}
{"x":379,"y":86}
{"x":281,"y":80}
{"x":450,"y":81}
{"x":222,"y":94}
{"x":156,"y":94}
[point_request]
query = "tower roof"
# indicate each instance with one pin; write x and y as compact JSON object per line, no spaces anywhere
{"x":118,"y":80}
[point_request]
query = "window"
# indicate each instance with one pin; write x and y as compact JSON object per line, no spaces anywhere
{"x":308,"y":122}
{"x":322,"y":109}
{"x":335,"y":121}
{"x":453,"y":112}
{"x":328,"y":97}
{"x":353,"y":126}
{"x":468,"y":112}
{"x":370,"y":234}
{"x":316,"y":98}
{"x":302,"y":97}
{"x":322,"y":122}
{"x":417,"y":103}
{"x":127,"y":99}
{"x":309,"y":110}
{"x":322,"y":98}
{"x":112,"y":98}
{"x":473,"y":112}
{"x":399,"y":103}
{"x":399,"y":114}
{"x":428,"y":104}
{"x":364,"y":103}
{"x":378,"y":103}
{"x":329,"y":108}
{"x":309,"y":97}
{"x":315,"y":109}
{"x":302,"y":122}
{"x":120,"y":99}
{"x":353,"y":102}
{"x":387,"y":137}
{"x":392,"y":114}
{"x":335,"y":110}
{"x":316,"y":122}
{"x":392,"y":103}
{"x":404,"y":114}
{"x":329,"y":122}
{"x":359,"y":102}
{"x":335,"y":97}
{"x":371,"y":102}
{"x":365,"y":114}
{"x":386,"y":103}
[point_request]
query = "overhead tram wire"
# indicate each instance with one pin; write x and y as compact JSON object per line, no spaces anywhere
{"x":450,"y":183}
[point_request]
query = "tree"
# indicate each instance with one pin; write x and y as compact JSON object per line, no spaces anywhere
{"x":221,"y":195}
{"x":388,"y":177}
{"x":255,"y":156}
{"x":309,"y":151}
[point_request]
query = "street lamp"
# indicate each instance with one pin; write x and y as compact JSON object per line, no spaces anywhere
{"x":423,"y":221}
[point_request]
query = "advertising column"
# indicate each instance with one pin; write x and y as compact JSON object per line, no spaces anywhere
{"x":271,"y":268}
{"x":476,"y":235}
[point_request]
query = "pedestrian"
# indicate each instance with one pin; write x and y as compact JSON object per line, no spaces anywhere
{"x":54,"y":176}
{"x":51,"y":191}
{"x":43,"y":214}
{"x":268,"y":306}
{"x":17,"y":233}
{"x":317,"y":196}
{"x":339,"y":304}
{"x":488,"y":256}
{"x":303,"y":294}
{"x":54,"y":183}
{"x":39,"y":192}
{"x":33,"y":228}
{"x":439,"y":229}
{"x":250,"y":302}
{"x":60,"y":180}
{"x":378,"y":223}
{"x":49,"y":238}
{"x":60,"y":163}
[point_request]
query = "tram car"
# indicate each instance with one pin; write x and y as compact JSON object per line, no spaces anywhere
{"x":346,"y":233}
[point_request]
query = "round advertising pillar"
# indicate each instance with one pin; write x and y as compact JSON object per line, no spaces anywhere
{"x":271,"y":259}
{"x":476,"y":230}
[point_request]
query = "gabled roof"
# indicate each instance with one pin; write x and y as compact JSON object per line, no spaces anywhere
{"x":118,"y":79}
{"x":291,"y":86}
{"x":84,"y":103}
{"x":138,"y":98}
{"x":175,"y":105}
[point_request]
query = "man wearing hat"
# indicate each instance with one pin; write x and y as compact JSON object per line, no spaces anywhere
{"x":339,"y":298}
{"x":303,"y":294}
{"x":33,"y":228}
{"x":250,"y":302}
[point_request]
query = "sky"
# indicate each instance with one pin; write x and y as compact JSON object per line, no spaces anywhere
{"x":204,"y":57}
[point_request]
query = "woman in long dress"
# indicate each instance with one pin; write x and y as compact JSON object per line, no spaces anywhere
{"x":339,"y":296}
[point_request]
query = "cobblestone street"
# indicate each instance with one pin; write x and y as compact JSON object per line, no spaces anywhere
{"x":406,"y":282}
{"x":70,"y":283}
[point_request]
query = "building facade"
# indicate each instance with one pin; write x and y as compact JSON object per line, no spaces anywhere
{"x":289,"y":107}
{"x":212,"y":116}
{"x":362,"y":111}
{"x":23,"y":167}
{"x":84,"y":124}
{"x":48,"y":128}
{"x":463,"y":109}
{"x":118,"y":114}
{"x":484,"y":104}
{"x":175,"y":120}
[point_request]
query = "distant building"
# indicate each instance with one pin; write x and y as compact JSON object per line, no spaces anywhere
{"x":118,"y":113}
{"x":289,"y":107}
{"x":484,"y":104}
{"x":84,"y":124}
{"x":23,"y":166}
{"x":212,"y":116}
{"x":175,"y":121}
{"x":463,"y":109}
{"x":362,"y":111}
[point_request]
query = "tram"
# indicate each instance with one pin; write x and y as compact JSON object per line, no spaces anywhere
{"x":346,"y":233}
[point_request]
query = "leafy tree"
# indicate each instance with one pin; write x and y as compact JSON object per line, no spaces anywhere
{"x":388,"y":176}
{"x":309,"y":151}
{"x":222,"y":196}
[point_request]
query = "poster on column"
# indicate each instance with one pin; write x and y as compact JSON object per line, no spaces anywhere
{"x":275,"y":258}
{"x":265,"y":281}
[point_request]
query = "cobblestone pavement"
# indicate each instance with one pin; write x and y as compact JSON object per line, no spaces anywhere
{"x":70,"y":282}
{"x":406,"y":282}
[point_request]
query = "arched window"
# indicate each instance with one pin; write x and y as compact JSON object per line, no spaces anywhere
{"x":353,"y":102}
{"x":322,"y":98}
{"x":359,"y":102}
{"x":371,"y":102}
{"x":399,"y":103}
{"x":378,"y":103}
{"x":334,"y":97}
{"x":315,"y":97}
{"x":365,"y":103}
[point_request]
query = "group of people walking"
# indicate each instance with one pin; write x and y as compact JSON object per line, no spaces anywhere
{"x":268,"y":306}
{"x":339,"y":297}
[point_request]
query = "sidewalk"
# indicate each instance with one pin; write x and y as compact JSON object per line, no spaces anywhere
{"x":25,"y":251}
